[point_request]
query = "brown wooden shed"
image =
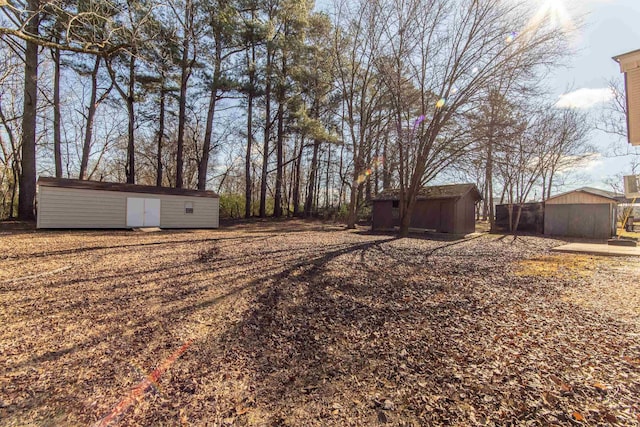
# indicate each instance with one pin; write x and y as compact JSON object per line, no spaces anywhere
{"x":585,"y":212}
{"x":441,"y":208}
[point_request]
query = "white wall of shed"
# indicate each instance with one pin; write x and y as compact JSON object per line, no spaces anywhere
{"x":60,"y":207}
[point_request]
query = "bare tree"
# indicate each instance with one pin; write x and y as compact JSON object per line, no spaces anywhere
{"x":10,"y":112}
{"x":566,"y":147}
{"x":520,"y":165}
{"x":357,"y":42}
{"x":453,"y":52}
{"x":614,"y":122}
{"x":23,"y":21}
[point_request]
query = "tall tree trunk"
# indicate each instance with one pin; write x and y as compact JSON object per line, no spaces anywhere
{"x":308,"y":204}
{"x":206,"y":145}
{"x":277,"y":208}
{"x":549,"y":186}
{"x":159,"y":167}
{"x":130,"y":170}
{"x":277,"y":204}
{"x":353,"y":200}
{"x":296,"y":184}
{"x":27,"y":191}
{"x":341,"y":192}
{"x":14,"y":186}
{"x":88,"y":133}
{"x":489,"y":167}
{"x":57,"y":138}
{"x":291,"y":180}
{"x":247,"y":164}
{"x":386,"y":169}
{"x":485,"y":202}
{"x":316,"y":204}
{"x":368,"y":178}
{"x":376,"y":171}
{"x":356,"y":189}
{"x":182,"y":101}
{"x":267,"y":134}
{"x":248,"y":184}
{"x":326,"y":187}
{"x":408,"y":202}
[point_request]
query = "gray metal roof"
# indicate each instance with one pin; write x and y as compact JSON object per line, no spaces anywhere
{"x":114,"y":186}
{"x":451,"y":191}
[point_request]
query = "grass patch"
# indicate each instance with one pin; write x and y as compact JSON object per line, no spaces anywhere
{"x":564,"y":265}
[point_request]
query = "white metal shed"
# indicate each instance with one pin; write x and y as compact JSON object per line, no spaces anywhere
{"x":72,"y":203}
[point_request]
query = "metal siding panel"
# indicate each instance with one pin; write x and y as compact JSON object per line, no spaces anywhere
{"x":591,"y":221}
{"x":74,"y":208}
{"x":556,"y":218}
{"x":205,"y":212}
{"x":81,"y":208}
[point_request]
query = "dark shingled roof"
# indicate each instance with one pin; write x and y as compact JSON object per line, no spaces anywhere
{"x":452,"y":191}
{"x":113,"y":186}
{"x":595,"y":191}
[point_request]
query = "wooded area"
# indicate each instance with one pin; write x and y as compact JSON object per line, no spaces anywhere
{"x":283,"y":109}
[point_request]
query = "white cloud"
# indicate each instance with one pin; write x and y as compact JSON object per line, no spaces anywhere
{"x":585,"y":163}
{"x":585,"y":98}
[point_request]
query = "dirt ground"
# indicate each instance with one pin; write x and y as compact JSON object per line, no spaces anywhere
{"x":308,"y":324}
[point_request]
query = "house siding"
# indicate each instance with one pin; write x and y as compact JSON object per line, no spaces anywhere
{"x":82,"y":208}
{"x":633,"y":102}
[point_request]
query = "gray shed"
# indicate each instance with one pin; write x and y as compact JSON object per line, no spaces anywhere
{"x":585,"y":212}
{"x":72,"y":203}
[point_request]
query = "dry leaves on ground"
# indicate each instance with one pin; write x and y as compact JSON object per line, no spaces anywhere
{"x":308,"y":324}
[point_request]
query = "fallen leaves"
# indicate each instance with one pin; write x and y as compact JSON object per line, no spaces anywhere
{"x":600,"y":386}
{"x":578,"y":416}
{"x":306,"y":324}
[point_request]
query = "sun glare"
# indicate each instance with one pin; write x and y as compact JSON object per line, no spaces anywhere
{"x":553,"y":13}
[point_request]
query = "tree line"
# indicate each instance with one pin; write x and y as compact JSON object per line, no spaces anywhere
{"x":283,"y":109}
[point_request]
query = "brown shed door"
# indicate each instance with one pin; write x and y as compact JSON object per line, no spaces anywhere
{"x":426,"y":214}
{"x":447,"y":216}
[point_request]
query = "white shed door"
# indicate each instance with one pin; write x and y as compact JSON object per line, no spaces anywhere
{"x":152,"y":212}
{"x":143,"y":212}
{"x":135,"y":212}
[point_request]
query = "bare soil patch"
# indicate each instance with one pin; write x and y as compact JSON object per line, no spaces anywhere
{"x":295,"y":323}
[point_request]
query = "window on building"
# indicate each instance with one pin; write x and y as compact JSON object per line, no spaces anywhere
{"x":395,"y":209}
{"x":188,"y":207}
